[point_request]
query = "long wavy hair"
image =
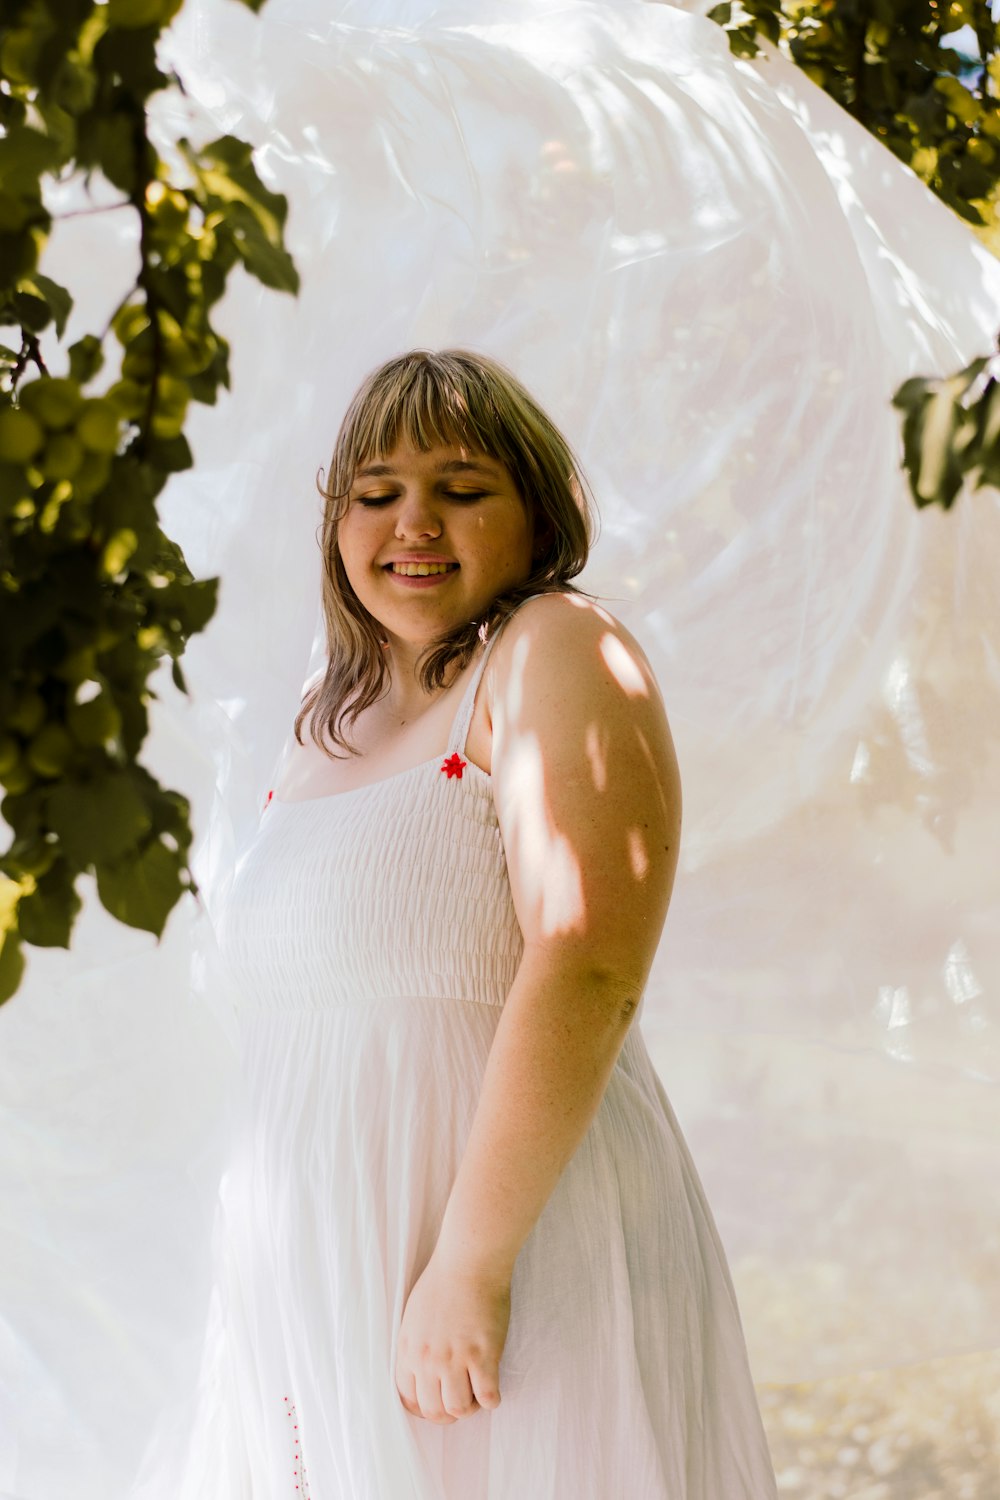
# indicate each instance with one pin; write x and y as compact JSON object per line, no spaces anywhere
{"x":427,"y":398}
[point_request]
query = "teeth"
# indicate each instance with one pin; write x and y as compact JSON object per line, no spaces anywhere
{"x":421,"y":570}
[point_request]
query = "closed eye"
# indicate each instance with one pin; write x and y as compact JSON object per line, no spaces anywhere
{"x":376,"y":500}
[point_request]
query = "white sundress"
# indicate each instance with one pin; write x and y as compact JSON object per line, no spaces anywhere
{"x":372,"y":940}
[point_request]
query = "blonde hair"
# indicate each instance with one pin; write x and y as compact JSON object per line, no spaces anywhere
{"x":428,"y":398}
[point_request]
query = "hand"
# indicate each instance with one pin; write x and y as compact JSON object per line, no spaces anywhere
{"x":450,"y":1342}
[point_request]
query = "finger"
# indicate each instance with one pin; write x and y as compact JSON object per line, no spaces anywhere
{"x":457,"y":1395}
{"x":407,"y":1389}
{"x":429,"y":1399}
{"x":485,"y":1382}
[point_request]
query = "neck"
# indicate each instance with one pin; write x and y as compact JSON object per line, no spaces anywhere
{"x":406,"y":697}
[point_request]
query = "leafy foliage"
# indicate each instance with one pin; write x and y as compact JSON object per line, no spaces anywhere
{"x":951,"y":431}
{"x":924,"y":77}
{"x":93,"y":594}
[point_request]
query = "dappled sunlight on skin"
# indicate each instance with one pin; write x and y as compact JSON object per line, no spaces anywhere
{"x":551,"y":876}
{"x":622,"y":667}
{"x":514,"y":686}
{"x":585,"y":781}
{"x":638,"y":854}
{"x":595,"y":744}
{"x":642,"y":740}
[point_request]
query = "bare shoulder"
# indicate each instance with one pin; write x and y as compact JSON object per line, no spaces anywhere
{"x":585,"y":783}
{"x":574,"y":644}
{"x":574,"y":680}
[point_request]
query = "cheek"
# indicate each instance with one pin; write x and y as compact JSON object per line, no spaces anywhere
{"x":354,"y":538}
{"x":517,"y":539}
{"x":353,"y":557}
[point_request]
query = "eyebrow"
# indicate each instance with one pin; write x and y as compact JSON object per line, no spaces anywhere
{"x":450,"y":466}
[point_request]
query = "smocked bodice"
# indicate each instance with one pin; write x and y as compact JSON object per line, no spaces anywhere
{"x":395,"y":888}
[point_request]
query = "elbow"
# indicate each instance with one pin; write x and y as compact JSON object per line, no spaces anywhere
{"x":619,"y":993}
{"x":607,"y":986}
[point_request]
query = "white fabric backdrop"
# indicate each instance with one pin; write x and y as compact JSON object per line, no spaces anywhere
{"x":713,"y":279}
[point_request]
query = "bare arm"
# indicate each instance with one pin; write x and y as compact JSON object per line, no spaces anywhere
{"x":587,"y":791}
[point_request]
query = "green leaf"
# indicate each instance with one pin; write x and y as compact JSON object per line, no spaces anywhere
{"x":73,"y":87}
{"x":271,"y":264}
{"x":135,"y":720}
{"x":204,"y":386}
{"x":988,"y":408}
{"x":128,"y":57}
{"x":170,"y":286}
{"x":11,"y":963}
{"x":12,"y":111}
{"x":252,"y":215}
{"x":26,"y":154}
{"x":171,"y":454}
{"x":106,"y":141}
{"x":45,"y":917}
{"x":938,"y":477}
{"x":192,"y":600}
{"x":58,"y":298}
{"x":24,"y":812}
{"x":142,"y":890}
{"x":33,"y":313}
{"x":99,"y":821}
{"x":743,"y":41}
{"x":19,"y":251}
{"x":911,"y":392}
{"x":86,"y":357}
{"x":59,"y":126}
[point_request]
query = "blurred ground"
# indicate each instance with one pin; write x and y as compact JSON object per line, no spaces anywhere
{"x":925,"y":1432}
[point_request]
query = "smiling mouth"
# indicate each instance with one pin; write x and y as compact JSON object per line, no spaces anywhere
{"x":420,"y":570}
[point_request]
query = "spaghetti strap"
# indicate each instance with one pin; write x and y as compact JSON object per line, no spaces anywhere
{"x":463,"y":715}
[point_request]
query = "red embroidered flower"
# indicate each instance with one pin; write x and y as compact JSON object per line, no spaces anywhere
{"x":454,"y":765}
{"x":268,"y":797}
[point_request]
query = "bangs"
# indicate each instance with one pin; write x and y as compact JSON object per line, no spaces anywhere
{"x":418,"y":404}
{"x":425,"y":399}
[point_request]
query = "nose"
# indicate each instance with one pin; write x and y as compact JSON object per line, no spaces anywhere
{"x":418,"y":515}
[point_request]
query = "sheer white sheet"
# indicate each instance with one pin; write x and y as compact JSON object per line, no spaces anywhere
{"x":714,"y":280}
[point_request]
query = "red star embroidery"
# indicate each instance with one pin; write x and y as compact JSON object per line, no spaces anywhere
{"x":454,"y":765}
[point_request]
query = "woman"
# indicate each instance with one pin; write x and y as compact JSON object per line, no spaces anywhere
{"x":470,"y":1255}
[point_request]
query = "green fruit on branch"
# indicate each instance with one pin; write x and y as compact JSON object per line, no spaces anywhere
{"x":21,"y":436}
{"x":28,"y":714}
{"x":98,"y":425}
{"x":55,"y":402}
{"x":50,"y":752}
